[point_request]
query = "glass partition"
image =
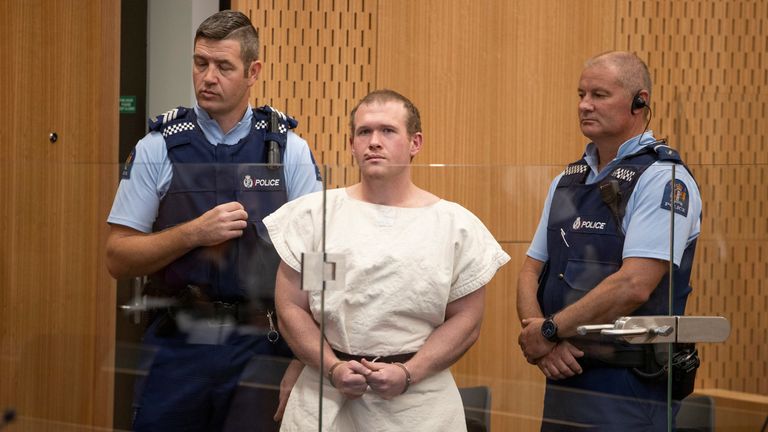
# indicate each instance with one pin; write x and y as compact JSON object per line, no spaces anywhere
{"x":211,"y":353}
{"x":508,"y":201}
{"x":503,"y":392}
{"x":66,"y":331}
{"x":722,"y":135}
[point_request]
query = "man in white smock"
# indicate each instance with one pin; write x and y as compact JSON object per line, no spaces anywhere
{"x":413,"y":300}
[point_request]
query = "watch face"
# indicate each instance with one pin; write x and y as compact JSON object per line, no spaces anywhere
{"x":549,"y":329}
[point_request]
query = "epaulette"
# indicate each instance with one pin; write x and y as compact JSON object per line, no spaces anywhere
{"x":576,"y":168}
{"x":285,"y":121}
{"x":575,"y":173}
{"x":665,"y":152}
{"x":166,"y":122}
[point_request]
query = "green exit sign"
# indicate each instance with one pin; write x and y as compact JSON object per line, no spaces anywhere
{"x":127,"y":104}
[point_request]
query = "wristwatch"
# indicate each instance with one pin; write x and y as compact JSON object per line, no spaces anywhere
{"x":549,"y":329}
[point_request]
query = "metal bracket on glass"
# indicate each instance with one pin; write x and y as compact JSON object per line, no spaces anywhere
{"x":663,"y":329}
{"x":322,"y":271}
{"x":136,"y":284}
{"x":145,"y":303}
{"x":141,"y":303}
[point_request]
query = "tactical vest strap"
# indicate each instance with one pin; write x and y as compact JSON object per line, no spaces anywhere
{"x":262,"y":119}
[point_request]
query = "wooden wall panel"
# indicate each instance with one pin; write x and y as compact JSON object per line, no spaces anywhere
{"x":708,"y":60}
{"x":56,"y":298}
{"x":493,"y":77}
{"x":708,"y":63}
{"x":730,"y":276}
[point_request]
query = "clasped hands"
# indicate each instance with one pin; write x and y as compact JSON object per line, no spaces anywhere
{"x":353,"y":378}
{"x":555,"y":360}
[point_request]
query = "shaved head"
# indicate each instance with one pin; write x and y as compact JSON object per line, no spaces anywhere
{"x":631,"y":71}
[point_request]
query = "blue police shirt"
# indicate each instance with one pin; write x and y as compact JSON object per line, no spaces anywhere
{"x":138,"y":197}
{"x":647,"y":217}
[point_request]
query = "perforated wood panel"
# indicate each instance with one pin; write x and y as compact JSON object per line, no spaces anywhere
{"x":708,"y":60}
{"x":730,"y":275}
{"x":318,"y":62}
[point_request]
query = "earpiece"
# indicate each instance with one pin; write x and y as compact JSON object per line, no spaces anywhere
{"x":638,"y":103}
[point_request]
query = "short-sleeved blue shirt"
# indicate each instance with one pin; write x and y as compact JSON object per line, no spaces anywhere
{"x":647,"y":218}
{"x":138,"y":197}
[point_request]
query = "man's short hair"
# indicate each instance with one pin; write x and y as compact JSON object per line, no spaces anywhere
{"x":229,"y":24}
{"x":412,"y":119}
{"x":632,"y":71}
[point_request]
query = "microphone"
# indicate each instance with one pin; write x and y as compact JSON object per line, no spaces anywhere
{"x":610,"y":194}
{"x":8,"y":417}
{"x":273,"y":148}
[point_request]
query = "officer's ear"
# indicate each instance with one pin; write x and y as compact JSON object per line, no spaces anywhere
{"x":253,"y":71}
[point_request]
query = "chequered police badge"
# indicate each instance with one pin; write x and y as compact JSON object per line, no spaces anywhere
{"x":262,"y":124}
{"x":575,"y":169}
{"x":176,"y":128}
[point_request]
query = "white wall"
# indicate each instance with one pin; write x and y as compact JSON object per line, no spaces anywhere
{"x":171,"y":26}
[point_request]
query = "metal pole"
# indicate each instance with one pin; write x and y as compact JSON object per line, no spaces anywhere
{"x":670,"y":348}
{"x":322,"y":305}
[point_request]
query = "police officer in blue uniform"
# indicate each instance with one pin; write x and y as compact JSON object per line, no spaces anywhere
{"x":602,"y":251}
{"x":188,"y":213}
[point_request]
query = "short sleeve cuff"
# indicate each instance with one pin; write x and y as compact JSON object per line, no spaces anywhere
{"x":483,"y":277}
{"x":277,"y":235}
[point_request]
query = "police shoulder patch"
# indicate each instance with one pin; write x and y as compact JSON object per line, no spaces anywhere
{"x":676,"y":197}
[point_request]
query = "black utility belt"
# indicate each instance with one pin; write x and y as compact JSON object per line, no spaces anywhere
{"x":624,"y":359}
{"x":651,"y":363}
{"x":242,"y":313}
{"x":648,"y":358}
{"x":396,"y":358}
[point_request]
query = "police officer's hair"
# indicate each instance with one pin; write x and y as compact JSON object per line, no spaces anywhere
{"x":229,"y":24}
{"x":412,"y":120}
{"x":632,"y":71}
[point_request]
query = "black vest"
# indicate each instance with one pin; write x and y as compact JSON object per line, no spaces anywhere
{"x":585,"y":239}
{"x":206,"y":175}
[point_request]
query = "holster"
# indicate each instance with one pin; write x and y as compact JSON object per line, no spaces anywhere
{"x":685,"y":362}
